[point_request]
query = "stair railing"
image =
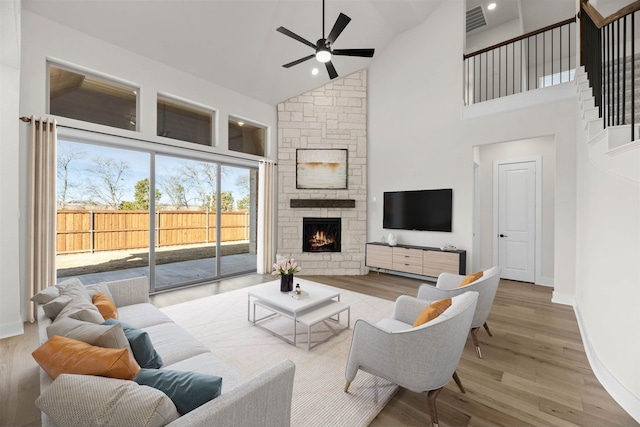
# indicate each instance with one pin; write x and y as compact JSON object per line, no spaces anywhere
{"x":540,"y":58}
{"x":608,"y":54}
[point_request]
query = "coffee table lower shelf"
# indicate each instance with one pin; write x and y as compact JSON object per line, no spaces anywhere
{"x":309,"y":318}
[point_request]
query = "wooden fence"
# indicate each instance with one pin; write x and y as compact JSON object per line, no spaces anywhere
{"x":93,"y":231}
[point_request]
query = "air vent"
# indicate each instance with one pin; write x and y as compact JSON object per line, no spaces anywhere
{"x":475,"y":18}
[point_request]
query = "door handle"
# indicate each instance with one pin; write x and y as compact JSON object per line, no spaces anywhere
{"x":503,"y":235}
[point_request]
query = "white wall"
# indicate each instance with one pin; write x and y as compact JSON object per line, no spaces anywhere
{"x":544,"y":147}
{"x":10,"y":313}
{"x":415,"y":140}
{"x":495,"y":35}
{"x":608,"y":274}
{"x":43,"y":39}
{"x":418,"y":139}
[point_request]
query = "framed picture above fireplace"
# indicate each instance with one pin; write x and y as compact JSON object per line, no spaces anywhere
{"x":321,"y":169}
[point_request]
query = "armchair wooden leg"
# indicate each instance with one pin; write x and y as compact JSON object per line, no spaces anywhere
{"x":474,"y":335}
{"x":457,"y":380}
{"x":486,"y":328}
{"x":431,"y":402}
{"x":346,"y":386}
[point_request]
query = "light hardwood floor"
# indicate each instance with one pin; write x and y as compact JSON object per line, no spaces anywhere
{"x":534,"y":371}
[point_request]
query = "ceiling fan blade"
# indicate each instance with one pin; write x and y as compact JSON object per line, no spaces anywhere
{"x":293,"y":35}
{"x":331,"y":70}
{"x":341,"y":22}
{"x":298,"y":61}
{"x":368,"y":53}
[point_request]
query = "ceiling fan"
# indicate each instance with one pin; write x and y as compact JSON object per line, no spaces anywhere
{"x":323,"y":50}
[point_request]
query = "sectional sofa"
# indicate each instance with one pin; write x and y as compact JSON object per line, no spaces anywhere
{"x":84,"y":399}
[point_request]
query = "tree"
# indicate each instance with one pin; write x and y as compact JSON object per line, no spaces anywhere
{"x":107,"y":185}
{"x":140,"y":196}
{"x":176,"y":190}
{"x":227,"y":202}
{"x":201,"y":177}
{"x":67,"y":153}
{"x":244,"y":204}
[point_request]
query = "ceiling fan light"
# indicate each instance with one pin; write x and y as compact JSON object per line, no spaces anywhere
{"x":323,"y":55}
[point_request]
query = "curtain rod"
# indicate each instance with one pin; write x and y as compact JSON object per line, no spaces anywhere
{"x":28,"y":120}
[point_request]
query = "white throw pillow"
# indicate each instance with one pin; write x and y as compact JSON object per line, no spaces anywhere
{"x":85,"y":400}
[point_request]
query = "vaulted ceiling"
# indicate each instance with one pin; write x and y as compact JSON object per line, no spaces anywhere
{"x":233,"y":43}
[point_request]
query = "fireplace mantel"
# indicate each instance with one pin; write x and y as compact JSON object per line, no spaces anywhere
{"x":322,"y":203}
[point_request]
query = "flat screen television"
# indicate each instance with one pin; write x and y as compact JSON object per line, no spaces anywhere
{"x":426,"y":210}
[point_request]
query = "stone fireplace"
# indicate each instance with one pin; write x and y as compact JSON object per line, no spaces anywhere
{"x":333,"y":116}
{"x":321,"y":234}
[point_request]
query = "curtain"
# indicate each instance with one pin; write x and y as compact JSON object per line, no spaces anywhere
{"x":266,"y":216}
{"x":41,"y":257}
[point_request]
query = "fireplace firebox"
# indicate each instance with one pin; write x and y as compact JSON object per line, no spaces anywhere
{"x":321,"y":234}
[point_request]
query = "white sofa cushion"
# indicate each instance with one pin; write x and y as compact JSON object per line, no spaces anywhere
{"x":142,"y":315}
{"x":173,"y":343}
{"x":209,"y":363}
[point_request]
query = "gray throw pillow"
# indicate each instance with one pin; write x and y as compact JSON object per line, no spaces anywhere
{"x":107,"y":336}
{"x":46,"y":295}
{"x":80,"y":309}
{"x":76,"y":290}
{"x":100,"y":288}
{"x":86,"y":400}
{"x":141,"y":345}
{"x":187,"y":390}
{"x":54,"y":307}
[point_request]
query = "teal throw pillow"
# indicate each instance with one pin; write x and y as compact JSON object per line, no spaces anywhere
{"x":141,"y":346}
{"x":187,"y":390}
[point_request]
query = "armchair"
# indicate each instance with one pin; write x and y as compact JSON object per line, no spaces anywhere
{"x":422,"y":358}
{"x":486,"y":286}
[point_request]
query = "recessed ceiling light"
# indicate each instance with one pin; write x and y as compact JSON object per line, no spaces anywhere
{"x":314,"y":71}
{"x":240,"y":123}
{"x":491,"y":6}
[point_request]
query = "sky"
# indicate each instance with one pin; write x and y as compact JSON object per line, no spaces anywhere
{"x":82,"y":165}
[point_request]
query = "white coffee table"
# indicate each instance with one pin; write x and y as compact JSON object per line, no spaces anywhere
{"x":321,"y":304}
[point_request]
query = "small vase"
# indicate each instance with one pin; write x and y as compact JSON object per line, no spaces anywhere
{"x":286,"y":283}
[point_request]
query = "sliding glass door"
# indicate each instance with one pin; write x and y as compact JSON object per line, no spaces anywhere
{"x":103,"y":214}
{"x":238,"y":207}
{"x":179,"y":220}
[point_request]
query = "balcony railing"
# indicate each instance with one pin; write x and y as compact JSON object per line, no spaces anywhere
{"x":608,"y":47}
{"x":541,"y":58}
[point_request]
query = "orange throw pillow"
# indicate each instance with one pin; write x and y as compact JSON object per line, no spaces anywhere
{"x":105,"y":306}
{"x":432,"y":311}
{"x":471,"y":278}
{"x":62,"y":355}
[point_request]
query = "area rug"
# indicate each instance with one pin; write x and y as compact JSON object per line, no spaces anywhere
{"x":220,"y":322}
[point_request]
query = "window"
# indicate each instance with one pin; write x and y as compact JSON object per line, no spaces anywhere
{"x":178,"y":120}
{"x":91,"y":99}
{"x":557,"y":78}
{"x":246,"y":137}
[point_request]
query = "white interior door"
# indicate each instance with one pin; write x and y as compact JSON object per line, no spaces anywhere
{"x":517,"y":220}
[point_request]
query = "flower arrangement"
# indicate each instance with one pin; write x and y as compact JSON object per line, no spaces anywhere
{"x":285,"y":266}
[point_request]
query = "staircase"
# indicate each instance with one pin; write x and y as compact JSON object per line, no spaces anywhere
{"x":611,"y":149}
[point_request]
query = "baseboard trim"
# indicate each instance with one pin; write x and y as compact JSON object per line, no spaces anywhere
{"x":564,"y":299}
{"x":619,"y":392}
{"x":11,"y":329}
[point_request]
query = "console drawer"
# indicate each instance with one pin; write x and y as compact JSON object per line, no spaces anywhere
{"x":379,"y":257}
{"x":435,"y":262}
{"x":407,"y":260}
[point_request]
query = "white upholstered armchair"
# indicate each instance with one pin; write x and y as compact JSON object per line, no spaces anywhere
{"x":422,"y":358}
{"x":486,"y":286}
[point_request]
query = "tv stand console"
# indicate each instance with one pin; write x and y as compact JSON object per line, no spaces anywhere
{"x":420,"y":260}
